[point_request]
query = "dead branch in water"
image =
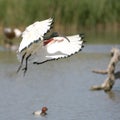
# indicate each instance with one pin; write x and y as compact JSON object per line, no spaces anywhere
{"x":112,"y":75}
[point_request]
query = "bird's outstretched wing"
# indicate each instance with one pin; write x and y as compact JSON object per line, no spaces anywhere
{"x":35,"y":32}
{"x":57,"y":47}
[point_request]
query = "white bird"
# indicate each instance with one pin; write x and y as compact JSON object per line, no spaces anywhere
{"x":36,"y":48}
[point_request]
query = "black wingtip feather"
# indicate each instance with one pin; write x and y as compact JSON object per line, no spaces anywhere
{"x":82,"y":35}
{"x":51,"y":26}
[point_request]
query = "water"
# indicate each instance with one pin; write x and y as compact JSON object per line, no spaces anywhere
{"x":62,"y":85}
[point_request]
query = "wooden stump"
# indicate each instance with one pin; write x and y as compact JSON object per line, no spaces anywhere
{"x":112,"y":76}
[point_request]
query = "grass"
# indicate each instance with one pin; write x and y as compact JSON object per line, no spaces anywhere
{"x":70,"y":16}
{"x":80,"y":12}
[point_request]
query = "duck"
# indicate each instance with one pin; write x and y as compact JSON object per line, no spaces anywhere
{"x":11,"y":34}
{"x":41,"y":112}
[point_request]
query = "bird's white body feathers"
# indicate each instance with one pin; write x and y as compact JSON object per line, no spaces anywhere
{"x":67,"y":46}
{"x":37,"y":112}
{"x":59,"y":47}
{"x":17,"y":32}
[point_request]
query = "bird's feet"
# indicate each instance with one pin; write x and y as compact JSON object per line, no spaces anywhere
{"x":25,"y":70}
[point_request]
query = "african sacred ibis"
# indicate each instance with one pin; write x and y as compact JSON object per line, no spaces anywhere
{"x":37,"y":48}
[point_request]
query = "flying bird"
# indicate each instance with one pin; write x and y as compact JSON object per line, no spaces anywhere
{"x":37,"y":48}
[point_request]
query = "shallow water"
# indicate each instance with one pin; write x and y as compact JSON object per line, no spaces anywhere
{"x":61,"y":85}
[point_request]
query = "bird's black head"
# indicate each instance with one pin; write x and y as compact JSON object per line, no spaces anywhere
{"x":54,"y":34}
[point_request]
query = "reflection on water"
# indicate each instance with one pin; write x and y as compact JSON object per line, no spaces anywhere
{"x":61,"y":85}
{"x":114,"y":95}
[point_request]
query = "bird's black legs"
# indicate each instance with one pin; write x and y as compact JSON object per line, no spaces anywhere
{"x":21,"y":63}
{"x":26,"y":63}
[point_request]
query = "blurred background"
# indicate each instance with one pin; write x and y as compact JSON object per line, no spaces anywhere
{"x":98,"y":19}
{"x":63,"y":85}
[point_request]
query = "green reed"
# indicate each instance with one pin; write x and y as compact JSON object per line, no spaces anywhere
{"x":74,"y":13}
